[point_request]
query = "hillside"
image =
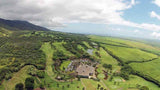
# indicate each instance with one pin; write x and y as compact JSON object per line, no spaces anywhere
{"x":51,"y":59}
{"x":20,"y":25}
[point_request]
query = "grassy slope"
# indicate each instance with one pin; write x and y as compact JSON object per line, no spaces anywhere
{"x":4,"y":32}
{"x":151,"y":68}
{"x":18,"y":77}
{"x":130,"y":54}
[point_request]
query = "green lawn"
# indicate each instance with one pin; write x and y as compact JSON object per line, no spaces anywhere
{"x":52,"y":84}
{"x":65,"y":64}
{"x":91,"y":84}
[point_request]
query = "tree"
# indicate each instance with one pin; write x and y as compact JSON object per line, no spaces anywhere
{"x":111,"y":78}
{"x":63,"y":87}
{"x":29,"y":83}
{"x":8,"y":76}
{"x":57,"y":84}
{"x":19,"y":86}
{"x":124,"y":75}
{"x":144,"y":88}
{"x":109,"y":66}
{"x":101,"y":88}
{"x":98,"y":86}
{"x":83,"y":88}
{"x":79,"y":78}
{"x":40,"y":74}
{"x":42,"y":86}
{"x":68,"y":85}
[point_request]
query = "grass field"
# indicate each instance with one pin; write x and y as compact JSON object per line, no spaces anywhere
{"x":91,"y":84}
{"x":148,"y":68}
{"x":18,"y":77}
{"x":130,"y":54}
{"x":107,"y":40}
{"x":118,"y":41}
{"x":131,"y":84}
{"x":129,"y":43}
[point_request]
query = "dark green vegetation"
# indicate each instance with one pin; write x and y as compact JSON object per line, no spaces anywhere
{"x":20,"y":25}
{"x":38,"y":59}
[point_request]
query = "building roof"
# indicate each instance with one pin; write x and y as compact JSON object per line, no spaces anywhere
{"x":85,"y":70}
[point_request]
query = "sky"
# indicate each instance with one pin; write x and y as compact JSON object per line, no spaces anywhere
{"x":127,"y":18}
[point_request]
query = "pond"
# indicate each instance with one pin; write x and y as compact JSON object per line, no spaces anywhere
{"x":90,"y":51}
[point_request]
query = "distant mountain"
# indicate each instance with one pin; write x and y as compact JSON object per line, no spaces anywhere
{"x":20,"y":25}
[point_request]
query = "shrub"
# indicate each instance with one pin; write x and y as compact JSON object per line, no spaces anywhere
{"x":19,"y":86}
{"x":42,"y":86}
{"x":144,"y":88}
{"x":29,"y":83}
{"x":40,"y":74}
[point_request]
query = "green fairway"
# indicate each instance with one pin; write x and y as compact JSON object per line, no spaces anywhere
{"x":80,"y":47}
{"x":46,"y":47}
{"x":59,"y":46}
{"x":87,"y":45}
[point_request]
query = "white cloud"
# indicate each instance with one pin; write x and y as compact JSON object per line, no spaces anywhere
{"x":157,"y":2}
{"x":54,"y":13}
{"x":154,"y":15}
{"x":156,"y":35}
{"x":67,"y":11}
{"x":136,"y":31}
